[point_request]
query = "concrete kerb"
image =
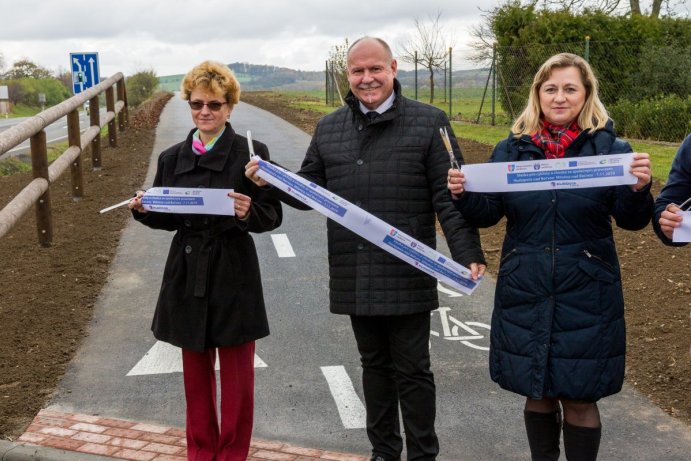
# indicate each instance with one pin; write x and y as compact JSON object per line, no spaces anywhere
{"x":12,"y":451}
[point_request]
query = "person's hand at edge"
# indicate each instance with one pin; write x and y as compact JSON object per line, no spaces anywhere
{"x":136,"y":202}
{"x":251,"y":170}
{"x":640,"y":168}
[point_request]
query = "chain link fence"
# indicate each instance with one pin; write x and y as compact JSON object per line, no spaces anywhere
{"x":646,"y":89}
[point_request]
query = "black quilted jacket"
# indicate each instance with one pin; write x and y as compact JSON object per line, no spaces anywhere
{"x":394,"y":167}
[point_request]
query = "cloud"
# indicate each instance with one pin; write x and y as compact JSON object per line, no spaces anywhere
{"x":170,"y":36}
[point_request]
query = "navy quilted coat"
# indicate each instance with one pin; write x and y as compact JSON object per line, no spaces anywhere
{"x":558,"y":320}
{"x":394,"y":167}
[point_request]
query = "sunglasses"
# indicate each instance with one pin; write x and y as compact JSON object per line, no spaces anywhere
{"x":213,"y":106}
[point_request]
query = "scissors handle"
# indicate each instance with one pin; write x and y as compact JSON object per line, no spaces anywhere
{"x":447,"y":143}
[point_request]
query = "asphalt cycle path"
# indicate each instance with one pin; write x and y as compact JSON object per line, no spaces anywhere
{"x":308,"y":376}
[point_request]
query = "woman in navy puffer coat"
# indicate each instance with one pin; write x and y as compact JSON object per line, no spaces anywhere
{"x":558,"y":333}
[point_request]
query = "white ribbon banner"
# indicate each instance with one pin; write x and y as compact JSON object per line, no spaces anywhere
{"x":369,"y":227}
{"x":683,"y":233}
{"x":189,"y":200}
{"x":558,"y":173}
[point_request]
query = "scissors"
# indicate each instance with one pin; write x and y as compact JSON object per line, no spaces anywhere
{"x":447,"y":143}
{"x":250,"y":145}
{"x":685,"y":203}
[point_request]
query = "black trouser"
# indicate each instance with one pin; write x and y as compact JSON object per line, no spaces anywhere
{"x":394,"y":351}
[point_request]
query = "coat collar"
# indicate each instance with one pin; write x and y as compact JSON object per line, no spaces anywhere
{"x":213,"y":160}
{"x":586,"y":143}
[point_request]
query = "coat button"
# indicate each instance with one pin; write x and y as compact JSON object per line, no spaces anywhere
{"x":360,"y":127}
{"x":360,"y":246}
{"x":188,"y":223}
{"x":360,"y":161}
{"x":188,"y":249}
{"x":358,"y":203}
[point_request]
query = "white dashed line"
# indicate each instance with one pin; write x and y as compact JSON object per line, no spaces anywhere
{"x":349,"y":405}
{"x":283,"y":246}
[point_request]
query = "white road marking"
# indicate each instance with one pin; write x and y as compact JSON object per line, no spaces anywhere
{"x":164,"y":358}
{"x":349,"y":405}
{"x":283,"y":246}
{"x":447,"y":291}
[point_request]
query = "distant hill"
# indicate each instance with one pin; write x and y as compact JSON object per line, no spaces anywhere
{"x":262,"y":77}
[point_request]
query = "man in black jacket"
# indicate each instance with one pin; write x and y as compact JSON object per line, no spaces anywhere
{"x":383,"y":153}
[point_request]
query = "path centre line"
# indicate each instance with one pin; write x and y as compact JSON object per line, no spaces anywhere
{"x":349,"y":405}
{"x":283,"y":246}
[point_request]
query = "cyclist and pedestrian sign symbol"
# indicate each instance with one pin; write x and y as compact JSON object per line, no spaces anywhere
{"x":85,"y":72}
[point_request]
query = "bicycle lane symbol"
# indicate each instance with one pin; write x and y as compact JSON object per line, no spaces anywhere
{"x":468,"y":333}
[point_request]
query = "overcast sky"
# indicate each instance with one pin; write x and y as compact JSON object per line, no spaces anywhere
{"x":171,"y":36}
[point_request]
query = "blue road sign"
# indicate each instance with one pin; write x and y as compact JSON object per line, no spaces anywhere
{"x":85,"y":72}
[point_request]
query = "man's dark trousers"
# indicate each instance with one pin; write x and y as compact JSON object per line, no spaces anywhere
{"x":394,"y":351}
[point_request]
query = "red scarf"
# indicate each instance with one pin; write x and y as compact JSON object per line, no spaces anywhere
{"x":554,"y":139}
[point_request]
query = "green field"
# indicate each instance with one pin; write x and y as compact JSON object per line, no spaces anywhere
{"x":661,"y":154}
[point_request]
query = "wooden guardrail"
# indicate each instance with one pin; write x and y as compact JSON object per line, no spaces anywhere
{"x":37,"y":192}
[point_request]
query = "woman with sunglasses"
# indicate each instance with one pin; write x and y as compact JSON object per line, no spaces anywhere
{"x":675,"y":196}
{"x":211,"y":299}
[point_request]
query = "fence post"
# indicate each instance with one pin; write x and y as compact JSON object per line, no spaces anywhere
{"x":74,"y":139}
{"x":126,"y":108}
{"x":110,"y":107}
{"x":39,"y":168}
{"x":416,"y":75}
{"x":450,"y":70}
{"x":587,"y":48}
{"x":326,"y":81}
{"x":121,"y":97}
{"x":494,"y":82}
{"x":95,"y":120}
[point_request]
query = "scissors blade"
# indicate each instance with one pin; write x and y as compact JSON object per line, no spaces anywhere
{"x":112,"y":207}
{"x":250,"y":144}
{"x":447,"y":143}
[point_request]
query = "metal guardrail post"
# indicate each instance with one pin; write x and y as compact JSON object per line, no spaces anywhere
{"x":450,"y":84}
{"x":95,"y":120}
{"x":494,"y":83}
{"x":121,"y":97}
{"x":416,"y":75}
{"x":110,"y":107}
{"x":39,"y":167}
{"x":74,"y":139}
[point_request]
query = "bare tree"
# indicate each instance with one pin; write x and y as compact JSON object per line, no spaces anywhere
{"x":430,"y":48}
{"x":614,"y":6}
{"x":65,"y":77}
{"x":338,"y":63}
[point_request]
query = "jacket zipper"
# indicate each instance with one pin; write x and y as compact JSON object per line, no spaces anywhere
{"x":600,"y":260}
{"x":506,"y":256}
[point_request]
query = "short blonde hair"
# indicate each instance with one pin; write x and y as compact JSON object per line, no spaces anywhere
{"x":213,"y":77}
{"x":593,"y":115}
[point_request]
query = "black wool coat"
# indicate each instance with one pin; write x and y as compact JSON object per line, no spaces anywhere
{"x":211,"y":293}
{"x":394,"y":167}
{"x":558,"y":321}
